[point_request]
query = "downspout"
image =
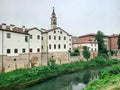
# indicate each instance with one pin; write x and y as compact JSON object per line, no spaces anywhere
{"x":2,"y":50}
{"x":29,"y":51}
{"x":47,"y":47}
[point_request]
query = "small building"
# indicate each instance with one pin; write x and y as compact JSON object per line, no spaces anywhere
{"x":92,"y":46}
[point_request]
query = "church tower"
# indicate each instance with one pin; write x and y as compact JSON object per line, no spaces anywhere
{"x":53,"y":20}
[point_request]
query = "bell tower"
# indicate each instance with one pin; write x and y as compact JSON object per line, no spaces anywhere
{"x":53,"y":20}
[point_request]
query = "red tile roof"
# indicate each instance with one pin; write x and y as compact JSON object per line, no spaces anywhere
{"x":15,"y":29}
{"x":91,"y":34}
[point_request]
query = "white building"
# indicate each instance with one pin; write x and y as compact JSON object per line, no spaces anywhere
{"x":92,"y":46}
{"x":56,"y":42}
{"x":14,"y":48}
{"x":19,"y":46}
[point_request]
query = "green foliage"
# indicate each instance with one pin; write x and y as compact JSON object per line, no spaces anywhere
{"x":43,"y":72}
{"x":112,"y":52}
{"x":101,"y":46}
{"x":52,"y":63}
{"x":86,"y":77}
{"x":118,"y":42}
{"x":86,"y":53}
{"x":106,"y":78}
{"x":75,"y":52}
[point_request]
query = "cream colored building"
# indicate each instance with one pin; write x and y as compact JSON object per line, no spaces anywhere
{"x":23,"y":48}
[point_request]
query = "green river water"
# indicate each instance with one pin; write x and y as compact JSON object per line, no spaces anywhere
{"x":71,"y":81}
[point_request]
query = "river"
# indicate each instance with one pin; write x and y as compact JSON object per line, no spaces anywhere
{"x":71,"y":81}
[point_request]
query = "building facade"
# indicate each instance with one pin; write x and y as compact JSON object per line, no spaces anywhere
{"x":14,"y":47}
{"x":88,"y":40}
{"x":23,"y":48}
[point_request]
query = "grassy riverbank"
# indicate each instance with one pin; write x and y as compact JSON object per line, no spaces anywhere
{"x":108,"y":80}
{"x":26,"y":77}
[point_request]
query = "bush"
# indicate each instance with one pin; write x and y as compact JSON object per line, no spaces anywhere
{"x":75,"y":52}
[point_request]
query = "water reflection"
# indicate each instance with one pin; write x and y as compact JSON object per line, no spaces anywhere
{"x":72,"y":81}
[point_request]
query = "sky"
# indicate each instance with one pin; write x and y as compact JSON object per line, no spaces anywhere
{"x":77,"y":17}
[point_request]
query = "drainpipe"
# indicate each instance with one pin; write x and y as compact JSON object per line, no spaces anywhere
{"x":29,"y":51}
{"x":47,"y":48}
{"x":2,"y":50}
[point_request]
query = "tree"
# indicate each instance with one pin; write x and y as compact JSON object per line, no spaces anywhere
{"x":101,"y":46}
{"x":75,"y":52}
{"x":118,"y":42}
{"x":86,"y":53}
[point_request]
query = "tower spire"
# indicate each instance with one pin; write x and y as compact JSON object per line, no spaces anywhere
{"x":53,"y":13}
{"x":53,"y":19}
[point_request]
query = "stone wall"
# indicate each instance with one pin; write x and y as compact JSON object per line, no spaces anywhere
{"x":21,"y":61}
{"x":75,"y":58}
{"x":60,"y":57}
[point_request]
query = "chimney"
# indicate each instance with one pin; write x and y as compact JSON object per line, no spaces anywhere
{"x":12,"y":26}
{"x":3,"y":25}
{"x":23,"y":27}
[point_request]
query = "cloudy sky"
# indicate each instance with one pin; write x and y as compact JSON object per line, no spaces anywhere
{"x":77,"y":17}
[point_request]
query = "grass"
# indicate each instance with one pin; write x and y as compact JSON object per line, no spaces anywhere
{"x":108,"y":80}
{"x":26,"y":77}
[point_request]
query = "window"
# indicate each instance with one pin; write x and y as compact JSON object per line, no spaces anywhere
{"x":30,"y":36}
{"x":38,"y":50}
{"x":95,"y":44}
{"x":8,"y":51}
{"x":64,"y":46}
{"x":54,"y":31}
{"x":59,"y":46}
{"x":64,"y":38}
{"x":49,"y":46}
{"x":54,"y":46}
{"x":41,"y":38}
{"x":30,"y":50}
{"x":54,"y":37}
{"x":15,"y":50}
{"x":91,"y":44}
{"x":91,"y":49}
{"x":26,"y":38}
{"x":42,"y":46}
{"x":95,"y":50}
{"x":70,"y":44}
{"x":49,"y":37}
{"x":23,"y":50}
{"x":69,"y":39}
{"x":60,"y":32}
{"x":8,"y":35}
{"x":59,"y":38}
{"x":38,"y":36}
